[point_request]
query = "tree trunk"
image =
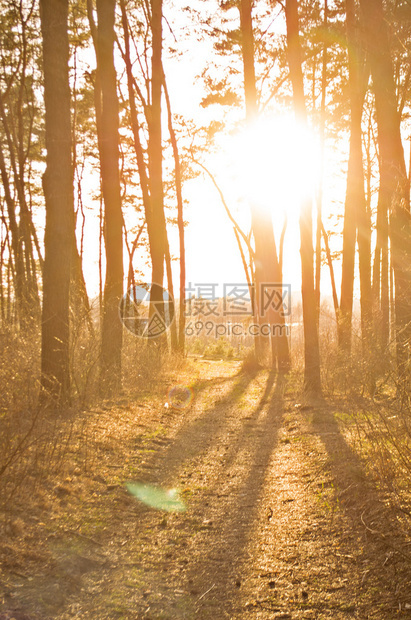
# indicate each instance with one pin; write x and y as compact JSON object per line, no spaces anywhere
{"x":79,"y":301}
{"x":321,"y":179}
{"x":180,"y":223}
{"x":380,"y":268}
{"x":355,"y":205}
{"x":155,"y":151}
{"x":267,"y":269}
{"x":22,"y":298}
{"x":24,"y":228}
{"x":170,"y":288}
{"x":312,"y":380}
{"x":58,"y":191}
{"x":358,"y":81}
{"x":151,"y":180}
{"x":112,"y":334}
{"x":331,"y":269}
{"x":394,"y":185}
{"x":135,"y":127}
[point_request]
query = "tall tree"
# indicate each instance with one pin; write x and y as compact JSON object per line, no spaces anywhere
{"x":151,"y":172}
{"x":155,"y":153}
{"x":359,"y":80}
{"x":380,"y":269}
{"x":58,"y":191}
{"x":267,"y":267}
{"x":312,"y":379}
{"x":355,"y":214}
{"x":393,"y":192}
{"x":112,"y":333}
{"x":321,"y":175}
{"x":180,"y":222}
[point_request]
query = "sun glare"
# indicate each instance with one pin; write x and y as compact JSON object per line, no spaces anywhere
{"x":277,"y":162}
{"x":271,"y":165}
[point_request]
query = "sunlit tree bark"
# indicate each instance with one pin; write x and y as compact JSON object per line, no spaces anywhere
{"x":79,"y":301}
{"x":355,"y":214}
{"x":151,"y":174}
{"x":312,"y":380}
{"x":321,"y":179}
{"x":58,"y":191}
{"x":111,"y":335}
{"x":135,"y":127}
{"x":180,"y":222}
{"x":267,"y":268}
{"x":155,"y":154}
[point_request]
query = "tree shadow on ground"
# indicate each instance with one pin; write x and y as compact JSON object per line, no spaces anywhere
{"x":384,"y":566}
{"x":198,"y":434}
{"x":256,"y":441}
{"x":233,"y":503}
{"x":206,"y":547}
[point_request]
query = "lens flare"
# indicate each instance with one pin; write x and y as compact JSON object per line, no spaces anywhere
{"x":156,"y":497}
{"x":180,"y":396}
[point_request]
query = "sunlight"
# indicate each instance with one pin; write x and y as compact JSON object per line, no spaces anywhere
{"x":277,"y":162}
{"x":272,"y":165}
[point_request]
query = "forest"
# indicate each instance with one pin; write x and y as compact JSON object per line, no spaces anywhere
{"x":205,"y":309}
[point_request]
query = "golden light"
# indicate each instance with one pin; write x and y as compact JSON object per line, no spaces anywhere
{"x":277,"y":162}
{"x":273,"y":165}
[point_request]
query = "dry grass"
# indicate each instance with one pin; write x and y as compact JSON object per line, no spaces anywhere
{"x":62,"y":473}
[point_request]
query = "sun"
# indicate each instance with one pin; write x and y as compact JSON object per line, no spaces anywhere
{"x":277,"y":163}
{"x":272,"y":165}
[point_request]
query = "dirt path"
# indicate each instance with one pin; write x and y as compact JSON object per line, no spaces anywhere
{"x":281,"y":520}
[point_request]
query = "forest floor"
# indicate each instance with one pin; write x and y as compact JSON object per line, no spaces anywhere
{"x":282,"y":519}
